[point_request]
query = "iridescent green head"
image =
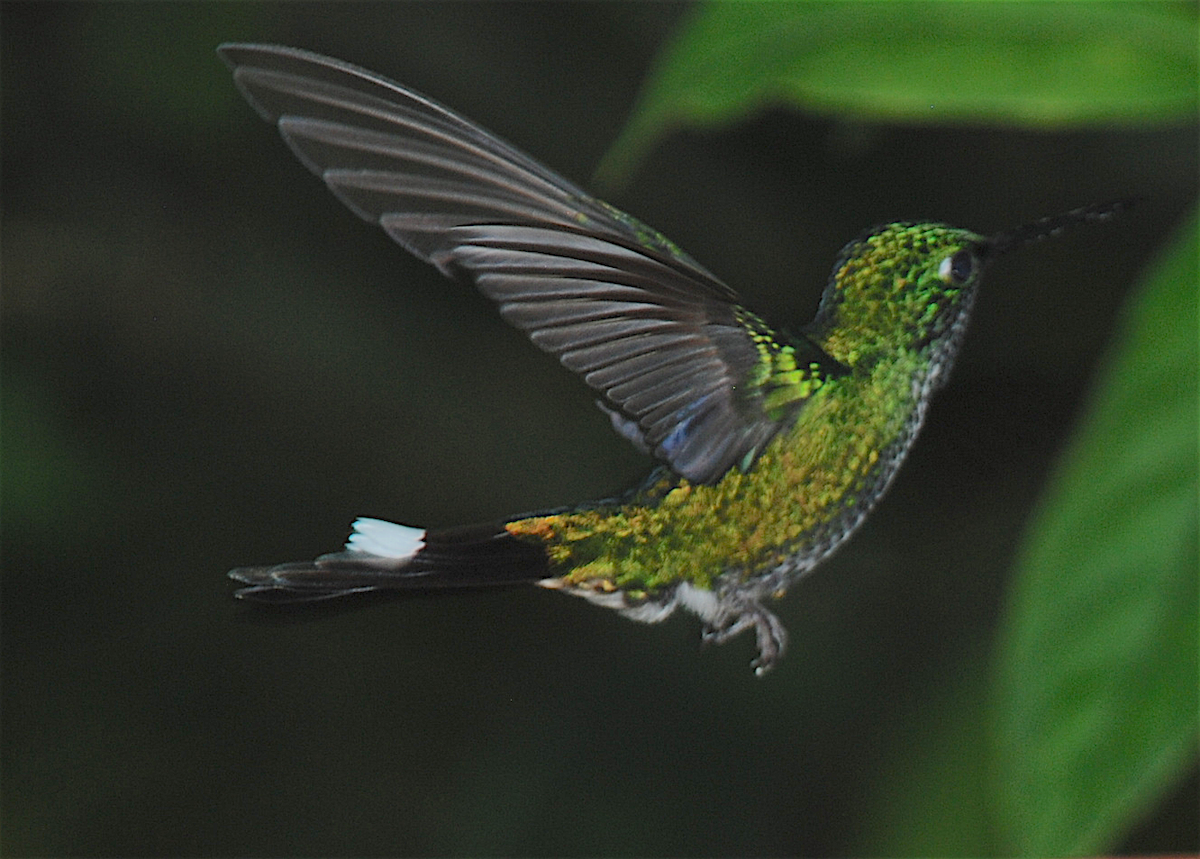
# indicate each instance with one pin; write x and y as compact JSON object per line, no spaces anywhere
{"x":900,"y":288}
{"x":908,"y":288}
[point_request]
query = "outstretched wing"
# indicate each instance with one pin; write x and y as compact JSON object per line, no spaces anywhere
{"x":684,"y":369}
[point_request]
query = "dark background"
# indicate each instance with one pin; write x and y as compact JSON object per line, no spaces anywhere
{"x":208,"y":362}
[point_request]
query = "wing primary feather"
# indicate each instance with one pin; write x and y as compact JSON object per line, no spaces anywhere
{"x":672,"y":355}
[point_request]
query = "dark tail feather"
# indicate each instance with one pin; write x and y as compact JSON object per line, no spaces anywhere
{"x":381,"y":556}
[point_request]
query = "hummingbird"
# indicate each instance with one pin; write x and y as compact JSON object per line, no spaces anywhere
{"x":770,"y":449}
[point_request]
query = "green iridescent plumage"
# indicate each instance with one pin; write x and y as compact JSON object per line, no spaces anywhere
{"x":773,"y":449}
{"x":887,"y":318}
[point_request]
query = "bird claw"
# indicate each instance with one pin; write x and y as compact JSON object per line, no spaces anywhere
{"x":770,"y":634}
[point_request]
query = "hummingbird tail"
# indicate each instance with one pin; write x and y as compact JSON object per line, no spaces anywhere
{"x":382,"y":556}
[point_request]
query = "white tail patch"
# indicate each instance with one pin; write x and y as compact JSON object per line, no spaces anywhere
{"x":385,"y":539}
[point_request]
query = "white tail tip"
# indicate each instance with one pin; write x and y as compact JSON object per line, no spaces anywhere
{"x":385,"y":539}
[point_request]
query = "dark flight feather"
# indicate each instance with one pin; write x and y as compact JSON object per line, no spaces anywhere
{"x":660,"y":339}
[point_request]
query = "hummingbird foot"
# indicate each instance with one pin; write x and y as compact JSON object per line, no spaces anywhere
{"x":741,"y":615}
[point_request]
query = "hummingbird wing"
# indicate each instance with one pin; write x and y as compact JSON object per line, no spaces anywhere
{"x":684,"y":369}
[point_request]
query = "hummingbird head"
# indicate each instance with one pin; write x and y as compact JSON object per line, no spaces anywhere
{"x":908,"y":288}
{"x":899,"y":289}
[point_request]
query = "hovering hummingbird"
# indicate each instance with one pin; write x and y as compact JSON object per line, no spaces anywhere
{"x":772,"y":449}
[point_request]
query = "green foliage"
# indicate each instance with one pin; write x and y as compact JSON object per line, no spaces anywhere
{"x":930,"y":795}
{"x":1033,"y":65}
{"x":1091,"y":713}
{"x":1089,"y":702}
{"x":1096,"y":671}
{"x":205,"y":361}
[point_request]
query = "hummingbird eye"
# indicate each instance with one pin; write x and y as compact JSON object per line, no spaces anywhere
{"x":957,"y":268}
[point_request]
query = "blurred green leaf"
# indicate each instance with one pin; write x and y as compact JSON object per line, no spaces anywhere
{"x":930,"y":795}
{"x":1096,"y":708}
{"x":1034,"y":65}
